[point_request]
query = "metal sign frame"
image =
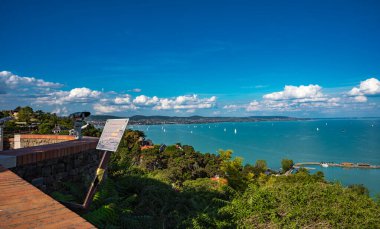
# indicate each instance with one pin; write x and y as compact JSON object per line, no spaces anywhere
{"x":112,"y":133}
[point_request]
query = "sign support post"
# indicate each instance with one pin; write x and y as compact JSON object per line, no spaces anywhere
{"x":100,"y":173}
{"x":109,"y":141}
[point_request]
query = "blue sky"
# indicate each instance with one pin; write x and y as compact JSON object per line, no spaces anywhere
{"x":214,"y":58}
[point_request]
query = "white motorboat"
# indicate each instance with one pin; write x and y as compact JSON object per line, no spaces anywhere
{"x":325,"y":165}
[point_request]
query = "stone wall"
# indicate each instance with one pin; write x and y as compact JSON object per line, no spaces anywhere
{"x":29,"y":140}
{"x":47,"y":166}
{"x":48,"y":175}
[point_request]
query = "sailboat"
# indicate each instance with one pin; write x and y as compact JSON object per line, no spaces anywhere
{"x":235,"y":131}
{"x":317,"y":129}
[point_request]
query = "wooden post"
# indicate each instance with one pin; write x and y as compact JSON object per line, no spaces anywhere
{"x":100,"y":173}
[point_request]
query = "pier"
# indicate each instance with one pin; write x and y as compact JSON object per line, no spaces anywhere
{"x":342,"y":165}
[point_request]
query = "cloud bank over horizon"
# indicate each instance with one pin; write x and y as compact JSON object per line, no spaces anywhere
{"x":18,"y":90}
{"x":369,"y":87}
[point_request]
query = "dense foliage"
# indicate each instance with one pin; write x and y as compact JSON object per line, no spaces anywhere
{"x":181,"y":188}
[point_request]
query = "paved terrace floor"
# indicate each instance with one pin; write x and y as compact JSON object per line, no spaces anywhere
{"x":24,"y":206}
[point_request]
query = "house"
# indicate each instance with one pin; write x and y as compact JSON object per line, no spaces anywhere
{"x":144,"y":142}
{"x":57,"y":129}
{"x":221,"y":181}
{"x":146,"y":147}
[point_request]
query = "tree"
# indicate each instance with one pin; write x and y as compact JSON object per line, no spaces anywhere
{"x":299,"y":201}
{"x":91,"y":131}
{"x":131,"y":137}
{"x":45,"y":128}
{"x":260,"y":166}
{"x":25,"y":114}
{"x":319,"y":176}
{"x":286,"y":164}
{"x":233,"y":170}
{"x":359,"y":189}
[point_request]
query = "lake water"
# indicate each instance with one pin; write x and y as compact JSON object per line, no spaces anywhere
{"x":339,"y":140}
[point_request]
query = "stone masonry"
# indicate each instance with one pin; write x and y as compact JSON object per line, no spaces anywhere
{"x":29,"y":140}
{"x":46,"y":166}
{"x":47,"y":174}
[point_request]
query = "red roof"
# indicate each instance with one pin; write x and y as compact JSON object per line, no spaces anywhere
{"x":146,"y":147}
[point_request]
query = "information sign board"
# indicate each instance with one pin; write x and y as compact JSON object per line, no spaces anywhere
{"x":112,"y":133}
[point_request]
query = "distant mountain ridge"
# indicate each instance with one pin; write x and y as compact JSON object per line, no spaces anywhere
{"x":158,"y":119}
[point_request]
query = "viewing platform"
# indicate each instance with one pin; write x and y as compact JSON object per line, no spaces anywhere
{"x":24,"y":206}
{"x":26,"y":173}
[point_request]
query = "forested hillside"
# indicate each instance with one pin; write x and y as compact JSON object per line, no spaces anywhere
{"x":182,"y":188}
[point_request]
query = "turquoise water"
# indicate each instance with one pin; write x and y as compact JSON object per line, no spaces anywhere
{"x":356,"y":140}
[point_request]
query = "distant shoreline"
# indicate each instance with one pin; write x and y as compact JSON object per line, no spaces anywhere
{"x":172,"y":120}
{"x":160,"y":120}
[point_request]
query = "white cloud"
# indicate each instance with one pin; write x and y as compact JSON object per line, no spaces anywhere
{"x":233,"y":107}
{"x":274,"y":105}
{"x":293,"y":92}
{"x":190,"y":103}
{"x":10,"y":82}
{"x":143,"y":100}
{"x":185,"y":102}
{"x":14,"y":81}
{"x":60,"y":111}
{"x":136,"y":90}
{"x":360,"y":98}
{"x":253,"y":106}
{"x":125,"y":99}
{"x":292,"y":98}
{"x":106,"y":108}
{"x":367,"y":87}
{"x":76,"y":95}
{"x":22,"y":90}
{"x":355,"y":91}
{"x":83,"y":93}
